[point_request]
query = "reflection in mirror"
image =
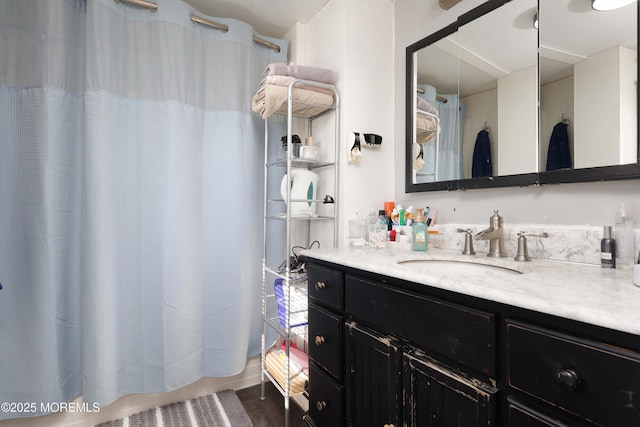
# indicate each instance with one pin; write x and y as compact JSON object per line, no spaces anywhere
{"x":437,"y":143}
{"x":476,"y":99}
{"x":588,"y":85}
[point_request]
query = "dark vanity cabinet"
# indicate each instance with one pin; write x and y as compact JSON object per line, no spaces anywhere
{"x":368,"y":366}
{"x":386,"y":352}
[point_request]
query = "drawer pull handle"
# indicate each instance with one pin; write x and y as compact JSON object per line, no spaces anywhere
{"x":320,"y":405}
{"x":568,"y":379}
{"x":319,"y":340}
{"x":320,"y":286}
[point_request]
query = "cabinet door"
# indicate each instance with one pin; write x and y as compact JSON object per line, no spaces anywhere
{"x":373,"y":378}
{"x":436,"y":396}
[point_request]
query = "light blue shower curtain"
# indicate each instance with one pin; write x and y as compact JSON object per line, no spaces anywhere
{"x":131,"y":214}
{"x":452,"y":115}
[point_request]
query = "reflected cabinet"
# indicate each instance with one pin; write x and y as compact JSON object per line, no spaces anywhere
{"x":524,"y":92}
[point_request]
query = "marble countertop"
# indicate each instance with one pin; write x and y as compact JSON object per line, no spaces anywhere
{"x":582,"y":292}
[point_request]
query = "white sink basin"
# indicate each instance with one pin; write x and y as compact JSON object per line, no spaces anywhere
{"x":442,"y":267}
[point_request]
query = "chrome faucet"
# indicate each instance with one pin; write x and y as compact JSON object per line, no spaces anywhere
{"x":495,"y":235}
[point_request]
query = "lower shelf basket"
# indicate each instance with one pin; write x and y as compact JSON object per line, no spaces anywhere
{"x":276,"y":364}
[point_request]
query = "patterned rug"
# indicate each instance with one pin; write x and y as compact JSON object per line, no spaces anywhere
{"x":221,"y":409}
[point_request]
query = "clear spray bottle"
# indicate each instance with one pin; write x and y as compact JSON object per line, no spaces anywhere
{"x":624,"y":240}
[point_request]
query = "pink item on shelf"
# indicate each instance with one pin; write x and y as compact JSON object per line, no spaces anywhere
{"x":298,"y":357}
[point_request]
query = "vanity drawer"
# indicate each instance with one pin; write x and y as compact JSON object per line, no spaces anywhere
{"x":593,"y":380}
{"x":326,"y":399}
{"x":326,"y":286}
{"x":522,"y":415}
{"x":464,"y":335}
{"x":326,"y":340}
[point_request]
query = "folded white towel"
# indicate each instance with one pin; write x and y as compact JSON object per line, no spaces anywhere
{"x":286,"y":80}
{"x":272,"y":99}
{"x":426,"y":128}
{"x":303,"y":72}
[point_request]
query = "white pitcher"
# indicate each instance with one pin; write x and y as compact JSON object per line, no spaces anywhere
{"x":304,"y":186}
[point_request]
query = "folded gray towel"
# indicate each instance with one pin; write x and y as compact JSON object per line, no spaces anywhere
{"x":303,"y":72}
{"x":425,"y":105}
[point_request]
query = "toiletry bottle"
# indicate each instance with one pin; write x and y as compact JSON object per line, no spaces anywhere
{"x":608,"y":249}
{"x":419,"y":232}
{"x":624,"y":240}
{"x":386,"y":220}
{"x":382,"y":217}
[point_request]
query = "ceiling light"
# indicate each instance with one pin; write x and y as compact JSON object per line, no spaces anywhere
{"x":610,"y":4}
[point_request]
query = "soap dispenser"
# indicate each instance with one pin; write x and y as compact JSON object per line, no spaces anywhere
{"x":419,"y":232}
{"x":608,"y":249}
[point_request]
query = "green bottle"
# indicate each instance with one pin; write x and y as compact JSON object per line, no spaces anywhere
{"x":419,"y":232}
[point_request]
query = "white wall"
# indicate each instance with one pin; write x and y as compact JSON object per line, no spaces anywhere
{"x":628,"y":105}
{"x":570,"y":204}
{"x":615,"y":127}
{"x":517,"y":105}
{"x":355,"y":39}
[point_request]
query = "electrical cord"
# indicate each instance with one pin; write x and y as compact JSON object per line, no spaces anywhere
{"x":314,"y":243}
{"x":296,"y":265}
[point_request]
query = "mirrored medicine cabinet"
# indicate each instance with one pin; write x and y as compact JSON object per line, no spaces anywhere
{"x":524,"y":92}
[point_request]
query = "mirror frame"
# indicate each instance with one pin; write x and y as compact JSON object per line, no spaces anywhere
{"x":593,"y":174}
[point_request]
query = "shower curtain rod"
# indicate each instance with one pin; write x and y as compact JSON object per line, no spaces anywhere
{"x":224,"y":28}
{"x":438,"y":97}
{"x":142,"y":3}
{"x":266,"y":43}
{"x":209,"y":23}
{"x":203,"y":21}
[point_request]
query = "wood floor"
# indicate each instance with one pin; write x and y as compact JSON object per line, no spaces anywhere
{"x":270,"y":411}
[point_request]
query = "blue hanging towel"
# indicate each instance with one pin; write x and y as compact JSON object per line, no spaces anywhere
{"x":482,"y":165}
{"x":559,"y":156}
